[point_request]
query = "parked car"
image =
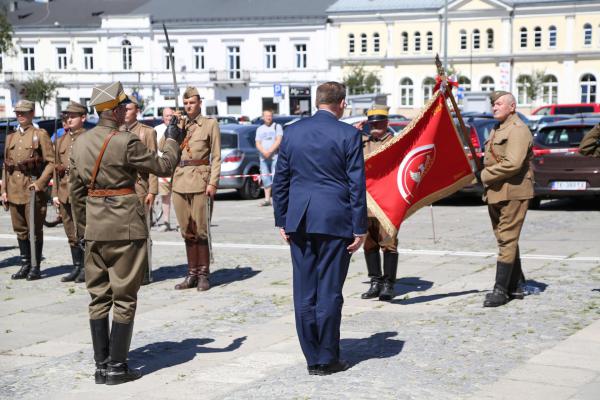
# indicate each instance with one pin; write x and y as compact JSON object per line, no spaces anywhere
{"x":283,"y":120}
{"x":226,"y":119}
{"x":567,"y":109}
{"x":239,"y":158}
{"x":544,"y":120}
{"x":558,"y":168}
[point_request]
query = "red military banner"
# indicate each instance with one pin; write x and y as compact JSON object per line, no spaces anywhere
{"x":425,"y":163}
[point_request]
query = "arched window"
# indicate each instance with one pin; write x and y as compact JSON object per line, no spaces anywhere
{"x":463,"y":39}
{"x":376,"y":42}
{"x":417,"y":41}
{"x":351,"y":43}
{"x":428,"y":84}
{"x":476,"y":39}
{"x":550,"y":89}
{"x":552,"y":36}
{"x":127,"y":55}
{"x":406,"y":92}
{"x":588,"y":88}
{"x":363,"y":42}
{"x":487,"y":84}
{"x":405,"y":41}
{"x":490,"y":38}
{"x":429,"y":41}
{"x":524,"y":89}
{"x":537,"y":37}
{"x":587,"y":35}
{"x":523,"y":37}
{"x":465,"y":83}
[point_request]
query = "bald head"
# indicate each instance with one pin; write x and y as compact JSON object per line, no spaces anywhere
{"x":504,"y":106}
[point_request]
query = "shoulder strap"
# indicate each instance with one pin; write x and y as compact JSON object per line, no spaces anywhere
{"x":99,"y":159}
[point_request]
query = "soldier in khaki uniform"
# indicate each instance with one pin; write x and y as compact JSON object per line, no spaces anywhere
{"x":590,"y":144}
{"x":194,"y":182}
{"x":146,"y":185}
{"x":382,"y":284}
{"x":109,"y":216}
{"x":28,"y":154}
{"x":508,"y":186}
{"x":75,"y":115}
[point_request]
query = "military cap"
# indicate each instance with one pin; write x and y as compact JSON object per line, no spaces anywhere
{"x":109,"y":96}
{"x":25,"y":106}
{"x":75,"y":107}
{"x":191,"y":91}
{"x":495,"y":95}
{"x":378,"y":112}
{"x":134,"y":100}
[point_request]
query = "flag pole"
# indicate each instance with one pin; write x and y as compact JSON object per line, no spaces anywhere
{"x":461,"y":122}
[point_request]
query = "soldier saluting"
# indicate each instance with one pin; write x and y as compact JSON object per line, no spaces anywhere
{"x":74,"y":115}
{"x":109,"y":216}
{"x":194,"y":185}
{"x":28,"y":165}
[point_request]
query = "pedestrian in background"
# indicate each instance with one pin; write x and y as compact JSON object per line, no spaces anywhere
{"x":268,"y":140}
{"x":164,"y":184}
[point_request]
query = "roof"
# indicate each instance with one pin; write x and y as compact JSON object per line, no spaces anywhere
{"x":341,"y":6}
{"x":196,"y":13}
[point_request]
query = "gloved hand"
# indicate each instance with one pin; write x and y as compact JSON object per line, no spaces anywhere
{"x":173,"y":131}
{"x":478,"y":176}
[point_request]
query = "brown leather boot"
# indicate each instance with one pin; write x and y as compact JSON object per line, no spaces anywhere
{"x":203,"y":267}
{"x":191,"y":280}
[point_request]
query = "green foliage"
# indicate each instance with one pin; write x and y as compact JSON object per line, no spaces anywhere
{"x":358,"y":81}
{"x":5,"y":31}
{"x":41,"y":90}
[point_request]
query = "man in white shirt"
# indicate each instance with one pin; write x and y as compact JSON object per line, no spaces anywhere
{"x":268,"y":139}
{"x":164,"y":184}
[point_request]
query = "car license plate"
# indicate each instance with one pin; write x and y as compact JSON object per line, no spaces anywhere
{"x":572,"y":185}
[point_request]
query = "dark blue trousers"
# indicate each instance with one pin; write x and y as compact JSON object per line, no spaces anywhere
{"x":320,"y":265}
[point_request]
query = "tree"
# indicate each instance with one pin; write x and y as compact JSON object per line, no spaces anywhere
{"x":41,"y":90}
{"x":358,"y":81}
{"x":5,"y":31}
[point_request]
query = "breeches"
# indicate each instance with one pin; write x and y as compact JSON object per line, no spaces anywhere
{"x":507,"y":220}
{"x":113,"y":275}
{"x":19,"y":215}
{"x":67,"y":219}
{"x":377,"y":238}
{"x":191,"y":211}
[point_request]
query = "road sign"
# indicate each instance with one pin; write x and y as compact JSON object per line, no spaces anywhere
{"x":277,"y":90}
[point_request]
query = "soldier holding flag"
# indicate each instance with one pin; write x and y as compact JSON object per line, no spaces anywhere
{"x":28,"y":167}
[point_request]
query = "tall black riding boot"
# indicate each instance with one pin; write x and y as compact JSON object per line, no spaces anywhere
{"x":117,"y":371}
{"x":35,"y":273}
{"x":499,"y":296}
{"x":25,"y":251}
{"x":81,"y":276}
{"x":390,"y":267}
{"x":100,"y":341}
{"x":517,"y":281}
{"x":77,"y":264}
{"x":373,"y":260}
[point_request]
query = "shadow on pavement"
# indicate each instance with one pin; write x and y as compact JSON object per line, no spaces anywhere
{"x":595,"y":290}
{"x":159,"y":355}
{"x":10,"y":261}
{"x":57,"y":270}
{"x":4,"y":248}
{"x":433,"y":297}
{"x":219,"y":277}
{"x":411,"y":284}
{"x":540,"y":285}
{"x":378,"y":345}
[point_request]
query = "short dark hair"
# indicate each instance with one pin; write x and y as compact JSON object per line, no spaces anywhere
{"x":330,"y":93}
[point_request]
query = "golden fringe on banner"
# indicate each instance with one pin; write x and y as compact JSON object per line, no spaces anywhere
{"x":372,"y":205}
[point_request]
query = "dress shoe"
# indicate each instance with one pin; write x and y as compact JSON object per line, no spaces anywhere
{"x":373,"y":291}
{"x":334,"y":367}
{"x":117,"y":373}
{"x":313,"y":369}
{"x":495,"y":299}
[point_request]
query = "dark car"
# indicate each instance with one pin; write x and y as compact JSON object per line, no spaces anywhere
{"x":240,"y":164}
{"x":282,"y":120}
{"x":225,"y":119}
{"x":558,"y":168}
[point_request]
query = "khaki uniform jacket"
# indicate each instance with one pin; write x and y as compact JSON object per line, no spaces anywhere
{"x":146,"y":183}
{"x":116,"y":217}
{"x":18,"y":148}
{"x":507,"y":175}
{"x":371,"y":144}
{"x":61,"y":185}
{"x":204,"y":144}
{"x":589,"y":144}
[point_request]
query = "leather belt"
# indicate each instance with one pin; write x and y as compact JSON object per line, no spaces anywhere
{"x":110,"y":192}
{"x":185,"y":163}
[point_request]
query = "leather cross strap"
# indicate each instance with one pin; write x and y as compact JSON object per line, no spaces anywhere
{"x":99,"y":160}
{"x":185,"y":163}
{"x":92,"y":192}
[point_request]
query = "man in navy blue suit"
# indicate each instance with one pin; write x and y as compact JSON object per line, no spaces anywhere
{"x":319,"y":199}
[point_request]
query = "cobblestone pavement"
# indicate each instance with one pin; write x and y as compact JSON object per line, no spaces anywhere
{"x":237,"y":341}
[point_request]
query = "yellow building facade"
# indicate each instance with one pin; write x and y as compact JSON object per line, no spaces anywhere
{"x":543,"y":51}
